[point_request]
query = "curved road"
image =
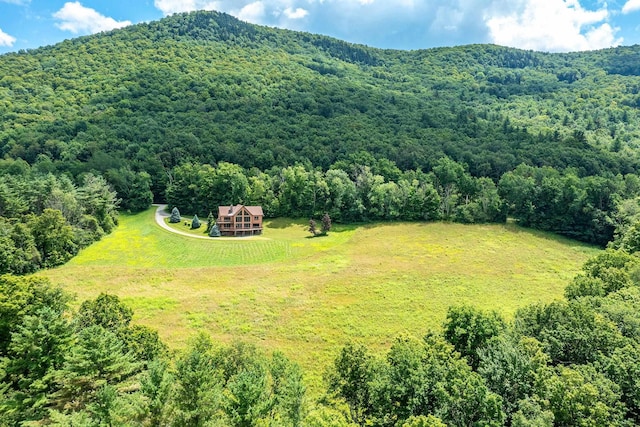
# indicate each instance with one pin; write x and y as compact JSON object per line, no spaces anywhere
{"x":161,"y":214}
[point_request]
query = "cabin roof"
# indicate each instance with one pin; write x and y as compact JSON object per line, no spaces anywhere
{"x":233,"y":210}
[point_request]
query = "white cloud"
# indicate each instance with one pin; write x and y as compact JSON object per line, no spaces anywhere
{"x":76,"y":18}
{"x":631,"y":6}
{"x":553,"y":25}
{"x":6,"y":39}
{"x":253,"y":12}
{"x":177,"y":6}
{"x":298,"y":13}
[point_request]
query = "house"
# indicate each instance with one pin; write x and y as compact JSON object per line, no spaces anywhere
{"x":240,"y":220}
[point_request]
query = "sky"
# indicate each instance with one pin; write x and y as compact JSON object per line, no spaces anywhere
{"x":542,"y":25}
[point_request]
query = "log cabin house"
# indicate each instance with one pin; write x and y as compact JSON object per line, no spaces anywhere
{"x":240,"y":220}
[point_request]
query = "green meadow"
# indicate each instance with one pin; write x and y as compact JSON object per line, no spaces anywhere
{"x":308,"y":296}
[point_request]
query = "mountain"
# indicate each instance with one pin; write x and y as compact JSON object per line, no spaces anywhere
{"x":206,"y":87}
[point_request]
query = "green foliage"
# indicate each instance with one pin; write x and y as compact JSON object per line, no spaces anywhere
{"x":571,"y":332}
{"x":36,"y":351}
{"x":583,"y":396}
{"x":195,"y":223}
{"x":211,"y":220}
{"x":215,"y":231}
{"x":25,"y":296}
{"x":49,"y":219}
{"x":417,"y":379}
{"x":469,"y":329}
{"x":204,"y":92}
{"x":53,"y":237}
{"x":564,"y":203}
{"x":515,"y":370}
{"x":96,"y":360}
{"x":197,"y":384}
{"x":607,"y":272}
{"x":175,"y":216}
{"x":105,"y":311}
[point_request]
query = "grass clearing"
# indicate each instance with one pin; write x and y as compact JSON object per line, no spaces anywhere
{"x":306,"y":296}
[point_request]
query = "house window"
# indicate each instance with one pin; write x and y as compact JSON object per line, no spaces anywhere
{"x":247,"y":219}
{"x":256,"y":218}
{"x":256,"y":225}
{"x":238,"y":225}
{"x":247,"y":225}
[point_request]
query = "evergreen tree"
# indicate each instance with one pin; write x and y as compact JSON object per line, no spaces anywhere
{"x":215,"y":231}
{"x":97,"y":359}
{"x":175,"y":216}
{"x":195,"y":223}
{"x":36,"y":351}
{"x":210,"y":222}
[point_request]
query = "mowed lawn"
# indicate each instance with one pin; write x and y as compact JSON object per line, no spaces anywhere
{"x":308,"y":296}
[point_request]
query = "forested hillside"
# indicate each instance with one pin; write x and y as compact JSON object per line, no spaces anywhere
{"x":201,"y":109}
{"x":206,"y":87}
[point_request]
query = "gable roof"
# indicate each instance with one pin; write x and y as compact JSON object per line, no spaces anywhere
{"x":233,"y":210}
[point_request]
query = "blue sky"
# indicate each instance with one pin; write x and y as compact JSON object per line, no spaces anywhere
{"x":545,"y":25}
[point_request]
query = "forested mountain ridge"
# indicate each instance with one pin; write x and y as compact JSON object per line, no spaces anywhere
{"x":206,"y":87}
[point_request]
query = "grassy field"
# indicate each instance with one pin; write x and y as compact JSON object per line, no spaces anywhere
{"x":308,"y":296}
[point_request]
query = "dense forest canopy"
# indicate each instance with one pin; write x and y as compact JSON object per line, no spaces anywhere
{"x":205,"y":87}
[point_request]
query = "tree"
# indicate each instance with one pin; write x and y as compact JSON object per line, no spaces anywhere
{"x":36,"y":351}
{"x":197,"y":384}
{"x":581,"y":394}
{"x":53,"y":237}
{"x":175,"y":216}
{"x":571,"y":332}
{"x":24,"y":296}
{"x":96,"y":360}
{"x":210,"y":222}
{"x":429,"y":377}
{"x":99,"y":201}
{"x":312,"y":227}
{"x":288,"y":389}
{"x":155,"y":387}
{"x":106,"y":311}
{"x":513,"y":368}
{"x":469,"y":329}
{"x":195,"y":223}
{"x":351,"y":378}
{"x":215,"y":231}
{"x":326,"y":224}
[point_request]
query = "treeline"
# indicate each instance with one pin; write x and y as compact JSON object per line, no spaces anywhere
{"x":348,"y":192}
{"x":592,"y":209}
{"x":573,"y":362}
{"x":45,"y":219}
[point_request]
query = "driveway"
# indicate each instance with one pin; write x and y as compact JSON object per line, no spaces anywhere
{"x":161,"y":214}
